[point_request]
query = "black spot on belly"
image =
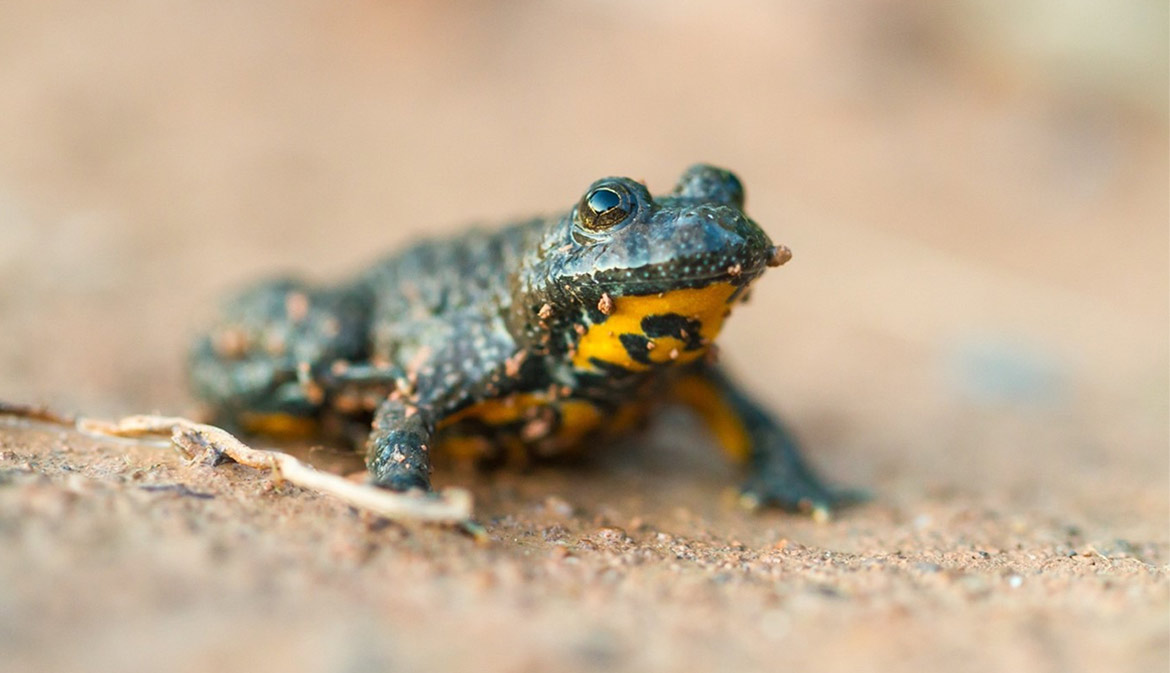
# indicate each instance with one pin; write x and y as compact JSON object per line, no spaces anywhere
{"x":674,"y":325}
{"x":638,"y":347}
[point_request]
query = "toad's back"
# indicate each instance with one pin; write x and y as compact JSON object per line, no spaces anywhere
{"x":427,"y":293}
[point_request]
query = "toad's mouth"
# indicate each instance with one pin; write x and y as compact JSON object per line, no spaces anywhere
{"x":692,"y":272}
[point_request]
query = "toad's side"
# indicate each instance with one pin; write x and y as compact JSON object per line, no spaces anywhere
{"x":540,"y":338}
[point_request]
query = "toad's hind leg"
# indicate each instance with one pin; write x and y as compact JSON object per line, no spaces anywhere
{"x":273,"y":347}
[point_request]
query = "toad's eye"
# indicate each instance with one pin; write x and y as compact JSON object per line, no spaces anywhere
{"x":734,"y":189}
{"x":604,"y":207}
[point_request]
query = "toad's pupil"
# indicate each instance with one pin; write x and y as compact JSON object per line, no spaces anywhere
{"x":602,"y":200}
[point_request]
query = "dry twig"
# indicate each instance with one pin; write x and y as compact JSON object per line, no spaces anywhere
{"x":198,"y":439}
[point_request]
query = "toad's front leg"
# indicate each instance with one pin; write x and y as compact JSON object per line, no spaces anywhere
{"x":469,"y":360}
{"x":778,"y":474}
{"x":398,"y":448}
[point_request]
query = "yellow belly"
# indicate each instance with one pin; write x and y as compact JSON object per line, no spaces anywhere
{"x":535,"y":418}
{"x":708,"y":306}
{"x":284,"y":426}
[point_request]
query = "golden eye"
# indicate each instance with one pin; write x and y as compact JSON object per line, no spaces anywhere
{"x":603,"y":207}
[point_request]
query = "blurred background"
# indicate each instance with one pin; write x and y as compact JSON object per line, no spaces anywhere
{"x":976,"y":193}
{"x":975,"y":324}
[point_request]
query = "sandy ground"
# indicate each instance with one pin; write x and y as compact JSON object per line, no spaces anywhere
{"x":974,"y":327}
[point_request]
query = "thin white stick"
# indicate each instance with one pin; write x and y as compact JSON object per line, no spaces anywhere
{"x":450,"y":506}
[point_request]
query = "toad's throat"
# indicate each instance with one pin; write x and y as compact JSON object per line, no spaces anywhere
{"x":643,"y":331}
